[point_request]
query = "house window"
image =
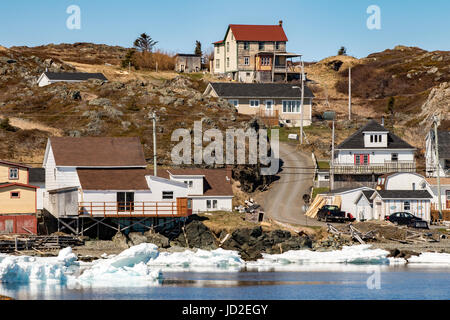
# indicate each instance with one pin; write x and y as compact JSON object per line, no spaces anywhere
{"x":228,"y":47}
{"x":188,"y":183}
{"x":228,"y":62}
{"x":394,"y":157}
{"x":13,"y":173}
{"x":246,"y":45}
{"x":214,"y":203}
{"x":414,"y":186}
{"x":254,"y":103}
{"x":246,"y":61}
{"x":261,"y":45}
{"x":234,"y":102}
{"x":269,"y":104}
{"x":277,"y":45}
{"x":125,"y":201}
{"x":218,"y":49}
{"x":217,"y":63}
{"x":167,"y":195}
{"x":208,"y":204}
{"x":371,"y":138}
{"x":362,"y":159}
{"x":15,"y":195}
{"x":406,"y":206}
{"x":291,"y":106}
{"x":265,"y":61}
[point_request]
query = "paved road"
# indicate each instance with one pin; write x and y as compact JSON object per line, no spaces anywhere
{"x":284,"y":199}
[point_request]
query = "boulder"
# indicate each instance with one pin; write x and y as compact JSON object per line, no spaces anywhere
{"x":157,"y":239}
{"x":197,"y":236}
{"x":137,"y":238}
{"x":120,"y":240}
{"x":102,"y":102}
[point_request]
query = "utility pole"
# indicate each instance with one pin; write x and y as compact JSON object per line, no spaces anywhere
{"x":350,"y":93}
{"x":154,"y":144}
{"x":301,"y":104}
{"x":438,"y":169}
{"x":332,"y":159}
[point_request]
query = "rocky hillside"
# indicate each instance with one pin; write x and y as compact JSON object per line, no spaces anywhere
{"x":406,"y":73}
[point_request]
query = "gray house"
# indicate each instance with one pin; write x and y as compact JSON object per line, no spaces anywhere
{"x":188,"y":62}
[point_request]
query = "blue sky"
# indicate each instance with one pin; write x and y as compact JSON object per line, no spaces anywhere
{"x":315,"y":29}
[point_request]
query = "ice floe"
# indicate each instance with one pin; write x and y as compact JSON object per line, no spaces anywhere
{"x":200,"y":260}
{"x":142,"y":265}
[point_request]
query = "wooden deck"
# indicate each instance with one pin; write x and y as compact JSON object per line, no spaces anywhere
{"x":386,"y":167}
{"x":269,"y":117}
{"x":157,"y":209}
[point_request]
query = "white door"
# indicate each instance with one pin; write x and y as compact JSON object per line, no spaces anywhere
{"x":269,"y":107}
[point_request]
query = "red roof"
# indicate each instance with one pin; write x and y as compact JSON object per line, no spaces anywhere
{"x":247,"y":32}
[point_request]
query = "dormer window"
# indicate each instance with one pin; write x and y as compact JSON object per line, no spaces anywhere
{"x":13,"y":173}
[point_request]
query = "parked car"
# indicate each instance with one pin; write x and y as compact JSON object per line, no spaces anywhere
{"x":408,"y":219}
{"x":331,"y":213}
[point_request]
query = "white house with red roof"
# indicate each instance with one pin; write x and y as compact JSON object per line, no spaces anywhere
{"x":254,"y":53}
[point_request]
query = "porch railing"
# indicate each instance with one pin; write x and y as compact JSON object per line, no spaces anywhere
{"x":385,"y":167}
{"x":178,"y":208}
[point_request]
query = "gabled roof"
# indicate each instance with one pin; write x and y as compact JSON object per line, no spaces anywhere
{"x":113,"y":179}
{"x":366,"y":194}
{"x":14,"y":164}
{"x":9,"y":184}
{"x":247,"y":32}
{"x":443,"y":143}
{"x":74,"y":76}
{"x":356,"y":140}
{"x":404,"y":194}
{"x":259,"y":90}
{"x":98,"y":151}
{"x":217,"y":182}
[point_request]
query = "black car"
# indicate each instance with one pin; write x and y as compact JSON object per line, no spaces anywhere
{"x":408,"y":219}
{"x":331,"y":213}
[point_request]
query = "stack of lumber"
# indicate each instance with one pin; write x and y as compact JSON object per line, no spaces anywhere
{"x":318,"y":203}
{"x":337,"y":201}
{"x":10,"y":244}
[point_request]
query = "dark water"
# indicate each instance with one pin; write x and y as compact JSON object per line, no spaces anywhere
{"x":395,"y":283}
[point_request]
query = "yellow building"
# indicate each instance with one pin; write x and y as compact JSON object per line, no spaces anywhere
{"x":17,"y":196}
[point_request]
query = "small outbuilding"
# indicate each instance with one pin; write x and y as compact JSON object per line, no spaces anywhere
{"x":188,"y":62}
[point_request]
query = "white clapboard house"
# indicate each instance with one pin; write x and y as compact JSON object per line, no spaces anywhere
{"x":443,"y":165}
{"x":209,"y":189}
{"x":103,"y":177}
{"x":369,"y":153}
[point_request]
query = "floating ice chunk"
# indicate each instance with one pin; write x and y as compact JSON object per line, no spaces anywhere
{"x":360,"y":254}
{"x":28,"y":269}
{"x":66,"y":256}
{"x":434,"y":258}
{"x":200,"y":260}
{"x":134,"y":255}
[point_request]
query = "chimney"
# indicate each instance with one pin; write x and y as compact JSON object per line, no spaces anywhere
{"x":382,"y":121}
{"x":280,"y":23}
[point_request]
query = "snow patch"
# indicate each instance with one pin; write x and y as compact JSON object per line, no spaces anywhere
{"x":434,"y":258}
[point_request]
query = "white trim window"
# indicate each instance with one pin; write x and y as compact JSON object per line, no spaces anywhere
{"x":246,"y":61}
{"x":218,"y":49}
{"x":246,"y":45}
{"x":228,"y":62}
{"x":13,"y":173}
{"x":291,"y":106}
{"x":269,"y":104}
{"x":234,"y":102}
{"x":228,"y":47}
{"x":254,"y":103}
{"x":217,"y":63}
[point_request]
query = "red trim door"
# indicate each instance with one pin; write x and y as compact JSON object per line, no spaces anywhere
{"x":362,"y":159}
